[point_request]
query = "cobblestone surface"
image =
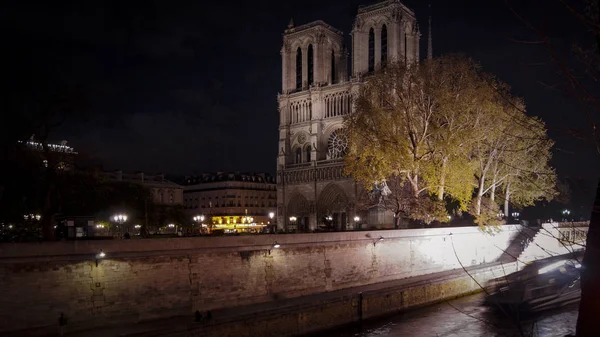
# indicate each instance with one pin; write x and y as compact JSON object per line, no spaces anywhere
{"x":464,"y":317}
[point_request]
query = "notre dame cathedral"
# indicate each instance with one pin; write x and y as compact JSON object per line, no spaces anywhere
{"x":313,"y":192}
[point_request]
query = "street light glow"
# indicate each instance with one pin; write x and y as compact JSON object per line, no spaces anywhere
{"x":120,"y":218}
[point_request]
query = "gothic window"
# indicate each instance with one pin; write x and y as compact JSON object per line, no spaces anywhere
{"x":298,"y":156}
{"x":308,"y":149}
{"x":332,"y":67}
{"x":405,"y":49}
{"x":337,"y":145}
{"x":371,"y":50}
{"x":161,"y":197}
{"x":171,"y":197}
{"x":384,"y":45}
{"x":310,"y":65}
{"x":299,"y":68}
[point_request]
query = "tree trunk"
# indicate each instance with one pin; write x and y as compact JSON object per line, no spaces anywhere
{"x":479,"y":196}
{"x":414,"y":184}
{"x":493,"y":193}
{"x":589,"y":307}
{"x":442,"y":180}
{"x":506,"y":198}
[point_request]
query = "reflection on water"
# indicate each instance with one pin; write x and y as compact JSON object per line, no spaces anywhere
{"x":464,"y":317}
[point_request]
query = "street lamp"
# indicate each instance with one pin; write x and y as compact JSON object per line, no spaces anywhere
{"x":120,"y":218}
{"x":271,"y":216}
{"x":199,"y":218}
{"x":566,"y":213}
{"x":356,"y":219}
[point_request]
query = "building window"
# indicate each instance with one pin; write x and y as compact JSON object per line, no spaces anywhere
{"x":299,"y":68}
{"x":161,"y":197}
{"x":298,"y":156}
{"x":371,"y":50}
{"x":308,"y":154}
{"x":171,"y":197}
{"x":384,"y":46}
{"x":310,"y":65}
{"x":337,"y":145}
{"x":332,"y":67}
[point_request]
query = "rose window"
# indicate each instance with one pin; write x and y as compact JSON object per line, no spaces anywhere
{"x":337,"y":145}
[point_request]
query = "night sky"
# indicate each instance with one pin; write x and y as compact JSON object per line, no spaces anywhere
{"x":189,"y":86}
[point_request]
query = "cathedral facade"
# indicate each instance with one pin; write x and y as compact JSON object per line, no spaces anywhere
{"x":313,"y":193}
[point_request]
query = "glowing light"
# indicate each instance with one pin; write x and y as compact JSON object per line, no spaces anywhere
{"x":271,"y":215}
{"x":137,"y":226}
{"x":356,"y":219}
{"x":293,"y":219}
{"x":101,"y":254}
{"x":555,"y":265}
{"x":171,"y":225}
{"x":276,"y":245}
{"x":120,"y":218}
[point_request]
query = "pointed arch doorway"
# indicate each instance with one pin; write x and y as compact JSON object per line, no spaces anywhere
{"x":298,"y":211}
{"x":333,"y":208}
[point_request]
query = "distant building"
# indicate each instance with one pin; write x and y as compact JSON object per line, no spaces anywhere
{"x":163,"y":191}
{"x":62,"y":154}
{"x":231,"y":201}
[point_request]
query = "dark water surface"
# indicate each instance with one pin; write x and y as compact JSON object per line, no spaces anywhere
{"x":463,"y":317}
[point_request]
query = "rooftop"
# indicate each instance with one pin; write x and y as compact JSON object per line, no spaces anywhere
{"x":381,"y":4}
{"x":261,"y":178}
{"x":319,"y":23}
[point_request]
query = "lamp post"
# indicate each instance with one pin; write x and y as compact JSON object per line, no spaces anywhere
{"x":120,"y":219}
{"x":199,"y":219}
{"x":566,"y":213}
{"x":271,"y":227}
{"x":357,"y":222}
{"x":293,"y":220}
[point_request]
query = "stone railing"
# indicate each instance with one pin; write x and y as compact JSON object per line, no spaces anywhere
{"x":314,"y":171}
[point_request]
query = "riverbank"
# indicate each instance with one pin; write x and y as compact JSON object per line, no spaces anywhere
{"x":308,"y":314}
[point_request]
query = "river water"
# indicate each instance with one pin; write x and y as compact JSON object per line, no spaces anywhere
{"x":463,"y":317}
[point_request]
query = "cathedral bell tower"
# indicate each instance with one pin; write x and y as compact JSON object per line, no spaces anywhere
{"x":383,"y":32}
{"x":312,"y":55}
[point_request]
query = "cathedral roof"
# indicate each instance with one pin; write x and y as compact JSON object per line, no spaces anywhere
{"x":381,"y":4}
{"x":318,"y":23}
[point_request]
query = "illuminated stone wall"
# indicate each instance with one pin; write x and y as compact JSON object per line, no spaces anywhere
{"x":145,"y":279}
{"x":555,"y":239}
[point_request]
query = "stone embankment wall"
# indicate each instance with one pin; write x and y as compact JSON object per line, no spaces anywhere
{"x":334,"y":311}
{"x":150,"y":278}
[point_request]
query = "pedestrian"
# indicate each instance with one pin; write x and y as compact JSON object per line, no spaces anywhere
{"x":198,"y":316}
{"x":208,"y":315}
{"x":62,"y":324}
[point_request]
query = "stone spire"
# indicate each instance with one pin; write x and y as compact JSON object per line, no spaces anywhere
{"x":291,"y":24}
{"x":429,"y":39}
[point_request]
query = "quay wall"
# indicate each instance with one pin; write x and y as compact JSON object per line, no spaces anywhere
{"x":145,"y":279}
